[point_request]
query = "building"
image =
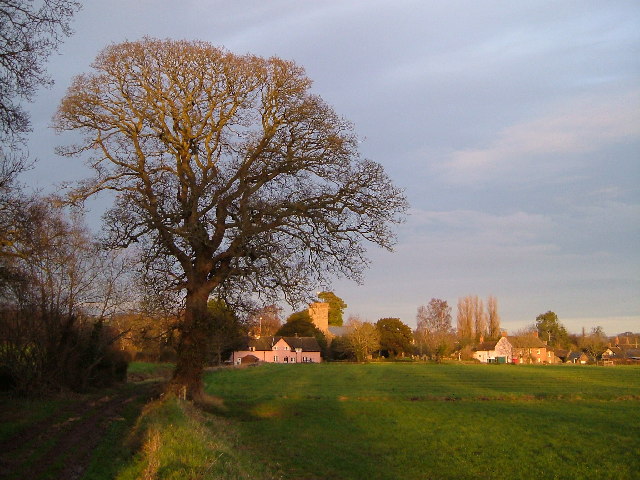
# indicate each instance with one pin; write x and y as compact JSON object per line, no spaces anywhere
{"x":530,"y":349}
{"x":278,"y":350}
{"x":494,"y":351}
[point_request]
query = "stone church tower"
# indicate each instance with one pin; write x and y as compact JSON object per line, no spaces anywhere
{"x":319,"y":313}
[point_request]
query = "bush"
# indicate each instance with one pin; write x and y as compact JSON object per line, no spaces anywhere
{"x":41,"y":354}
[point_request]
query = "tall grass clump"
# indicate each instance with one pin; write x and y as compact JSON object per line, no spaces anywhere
{"x":176,"y":440}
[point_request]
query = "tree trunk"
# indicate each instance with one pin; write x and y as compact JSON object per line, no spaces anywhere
{"x":193,"y":346}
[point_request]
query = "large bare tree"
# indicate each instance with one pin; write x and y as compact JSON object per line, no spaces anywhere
{"x":230,"y":172}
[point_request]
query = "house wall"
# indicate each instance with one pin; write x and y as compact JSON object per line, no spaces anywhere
{"x":502,"y":349}
{"x":280,"y":353}
{"x":534,"y":355}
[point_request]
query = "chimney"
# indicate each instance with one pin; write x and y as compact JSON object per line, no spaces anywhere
{"x":503,"y":333}
{"x":481,"y":338}
{"x":535,"y":333}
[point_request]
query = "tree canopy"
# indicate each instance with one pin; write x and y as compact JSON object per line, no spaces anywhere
{"x":336,"y":307}
{"x":551,"y":330}
{"x":362,"y":339}
{"x":232,"y":175}
{"x":395,"y":337}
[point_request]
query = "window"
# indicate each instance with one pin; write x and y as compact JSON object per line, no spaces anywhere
{"x":286,"y":348}
{"x":252,"y":349}
{"x":538,"y":351}
{"x":275,"y":358}
{"x":275,"y":347}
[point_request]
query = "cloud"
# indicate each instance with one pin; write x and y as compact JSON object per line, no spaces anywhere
{"x":579,"y":126}
{"x":479,"y":228}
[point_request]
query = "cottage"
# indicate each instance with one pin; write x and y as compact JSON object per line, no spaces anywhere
{"x":530,"y":349}
{"x":622,"y":354}
{"x":494,"y":351}
{"x":278,"y":350}
{"x":579,"y":358}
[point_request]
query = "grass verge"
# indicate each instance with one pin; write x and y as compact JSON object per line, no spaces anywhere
{"x":179,"y":441}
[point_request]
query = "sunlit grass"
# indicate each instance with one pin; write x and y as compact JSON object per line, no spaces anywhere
{"x":390,"y":421}
{"x":178,"y":441}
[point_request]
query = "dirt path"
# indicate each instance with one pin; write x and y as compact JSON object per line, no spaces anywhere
{"x":60,"y":446}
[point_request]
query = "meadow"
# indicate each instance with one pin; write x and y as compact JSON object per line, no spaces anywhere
{"x":417,"y":421}
{"x":339,"y":421}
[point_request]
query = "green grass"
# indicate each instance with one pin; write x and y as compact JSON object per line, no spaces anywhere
{"x":178,"y":441}
{"x":147,"y":370}
{"x":375,"y":421}
{"x":391,"y":421}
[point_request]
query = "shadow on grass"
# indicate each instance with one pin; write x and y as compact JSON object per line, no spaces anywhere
{"x":313,"y":432}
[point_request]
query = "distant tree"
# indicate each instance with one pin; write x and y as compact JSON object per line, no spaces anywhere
{"x":434,"y":332}
{"x":551,"y":330}
{"x":339,"y":348}
{"x":266,"y":321}
{"x":395,"y":337}
{"x":29,"y":33}
{"x":302,"y":315}
{"x":479,"y":319}
{"x":362,"y":338}
{"x":493,"y":318}
{"x":435,"y":317}
{"x":336,"y":307}
{"x":226,"y":330}
{"x":147,"y":337}
{"x":229,"y":171}
{"x":465,"y":319}
{"x":595,"y":343}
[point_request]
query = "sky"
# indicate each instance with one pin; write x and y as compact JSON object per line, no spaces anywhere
{"x":513,"y":128}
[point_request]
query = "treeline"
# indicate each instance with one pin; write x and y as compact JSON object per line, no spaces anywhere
{"x":434,"y":337}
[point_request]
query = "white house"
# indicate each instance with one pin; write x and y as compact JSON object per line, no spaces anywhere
{"x":494,"y":351}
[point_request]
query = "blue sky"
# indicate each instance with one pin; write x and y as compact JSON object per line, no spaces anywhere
{"x":514,"y":128}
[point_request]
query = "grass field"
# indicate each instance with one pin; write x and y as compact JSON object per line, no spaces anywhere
{"x":338,"y":421}
{"x":408,"y":421}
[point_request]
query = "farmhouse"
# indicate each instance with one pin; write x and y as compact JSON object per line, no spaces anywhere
{"x":278,"y":350}
{"x":530,"y":349}
{"x":494,"y":351}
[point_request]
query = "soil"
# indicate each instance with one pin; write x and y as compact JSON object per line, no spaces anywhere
{"x":60,"y":446}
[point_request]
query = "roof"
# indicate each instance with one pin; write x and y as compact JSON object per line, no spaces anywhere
{"x":527,"y":341}
{"x":486,"y":346}
{"x":576,"y":355}
{"x":307,"y":344}
{"x":633,"y":353}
